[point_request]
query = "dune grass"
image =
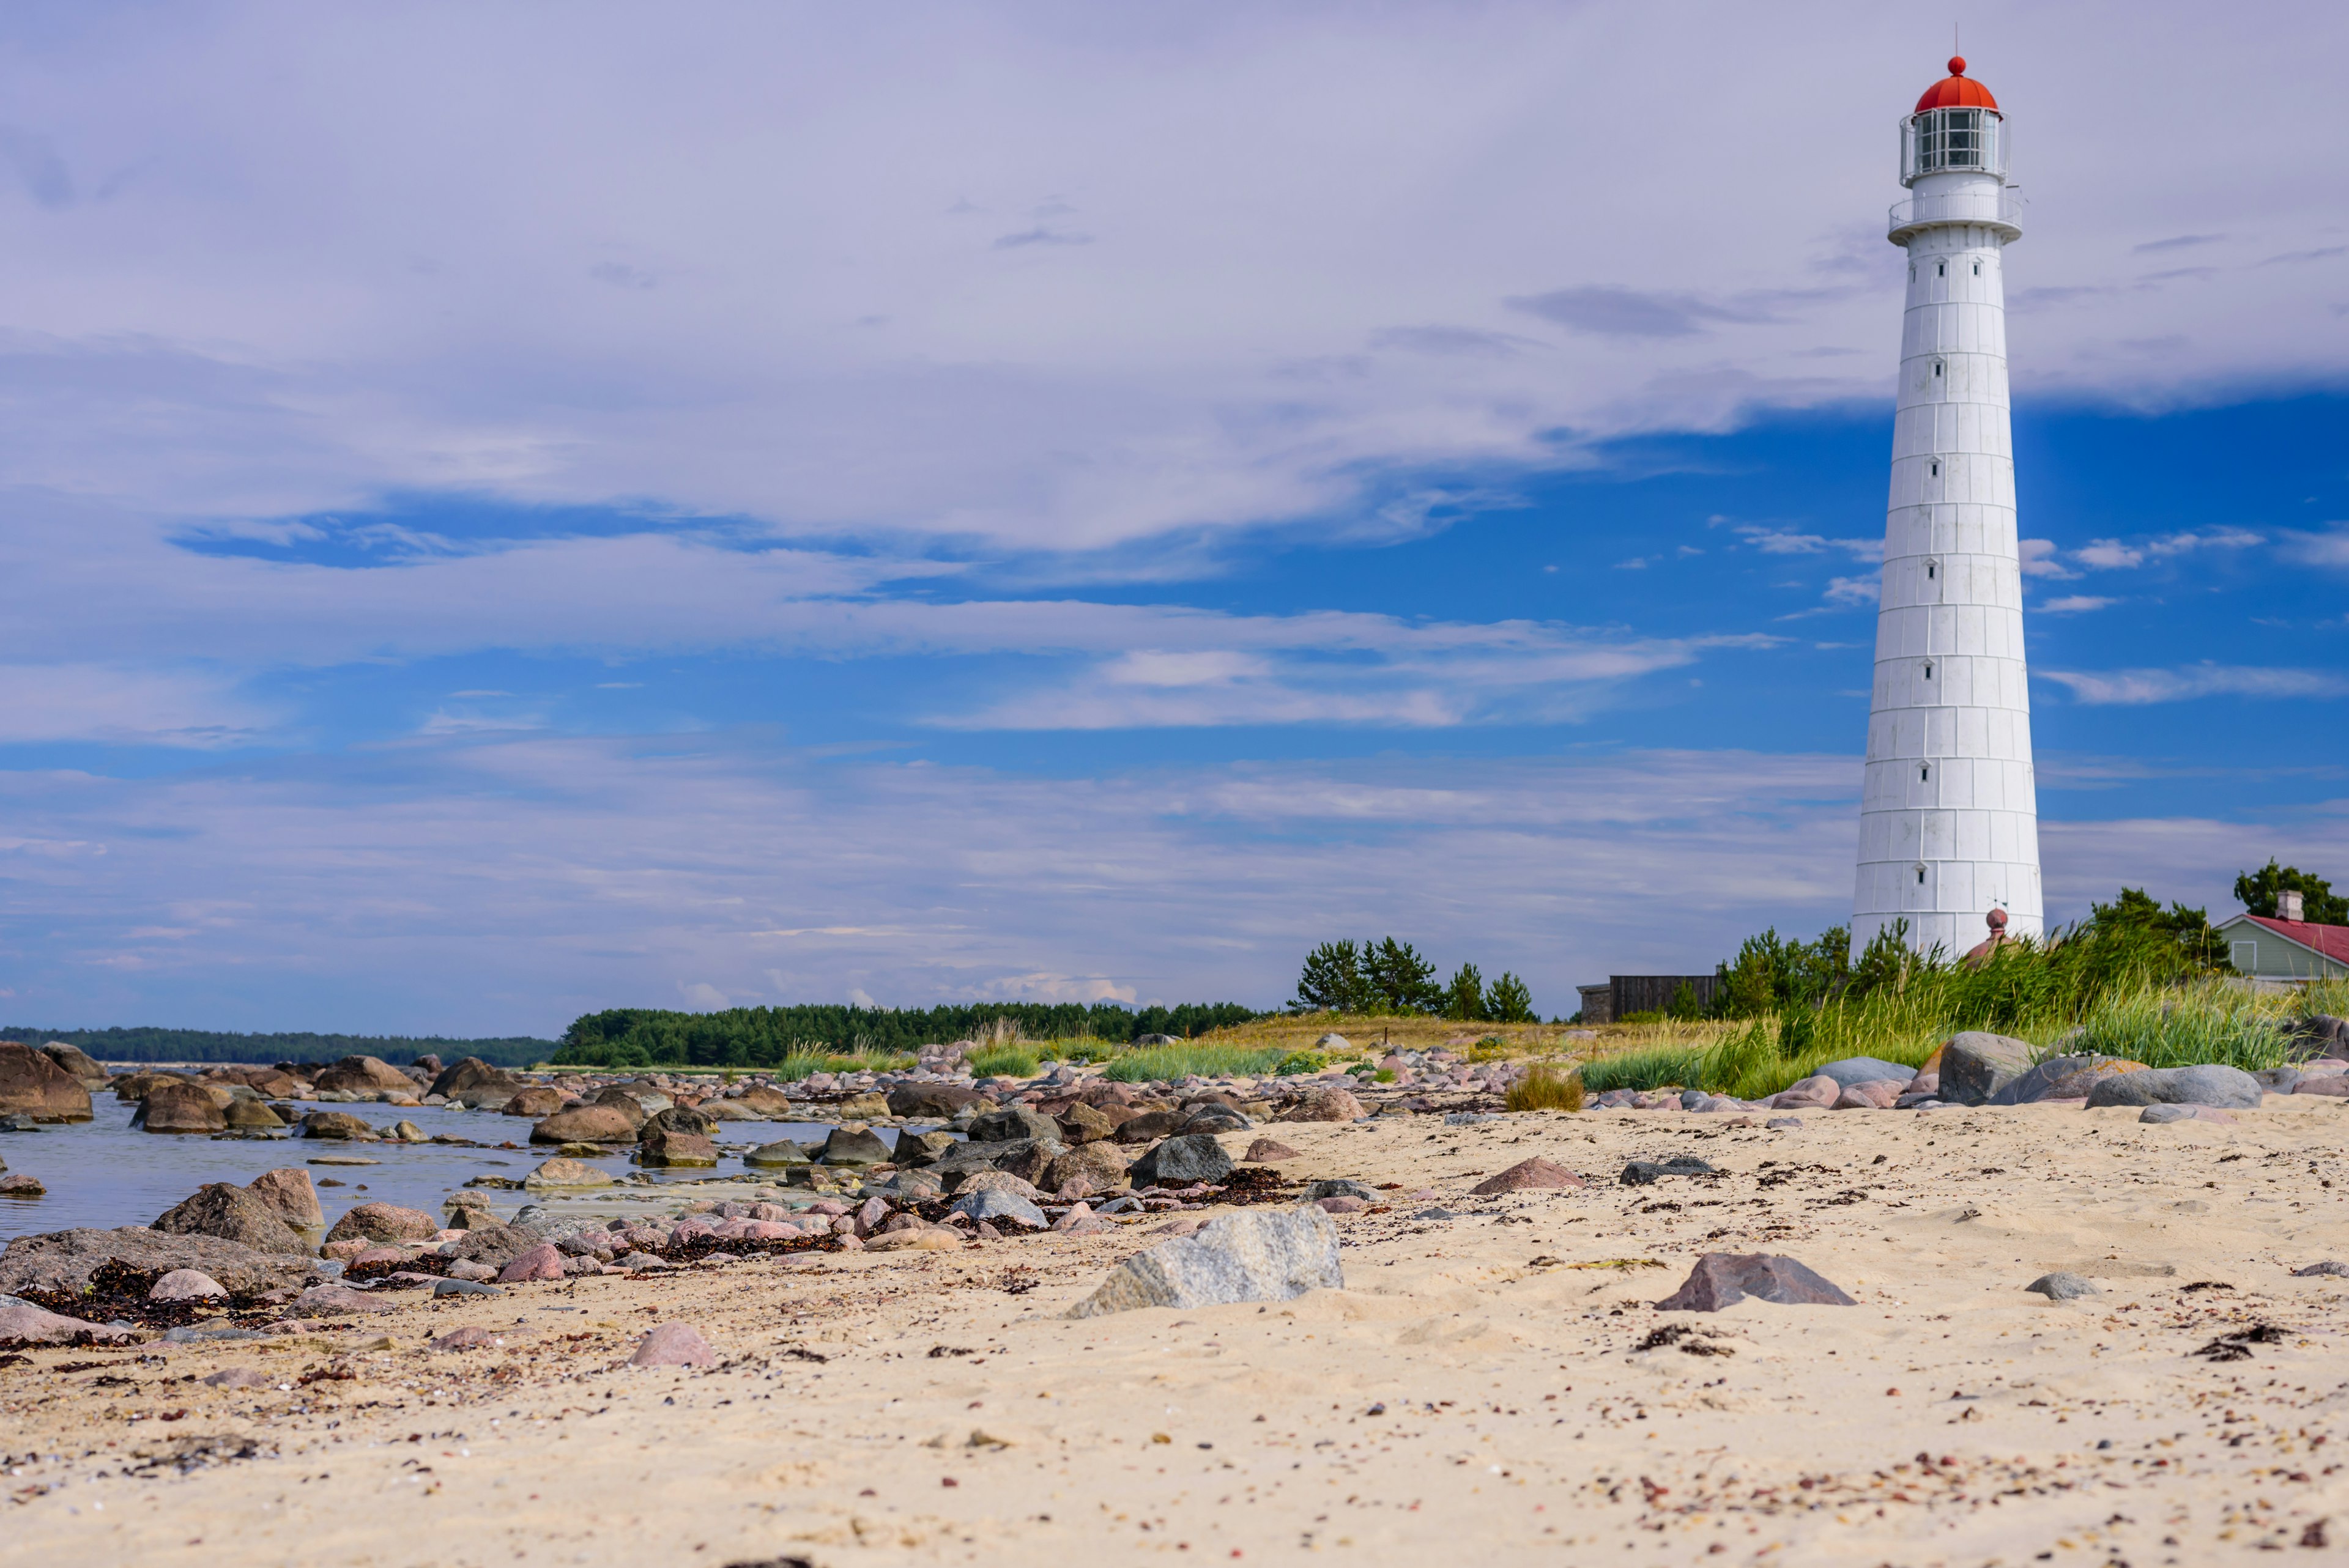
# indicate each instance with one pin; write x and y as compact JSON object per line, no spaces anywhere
{"x":1145,"y":1063}
{"x":1014,"y":1060}
{"x":2171,"y":1025}
{"x":1546,"y":1087}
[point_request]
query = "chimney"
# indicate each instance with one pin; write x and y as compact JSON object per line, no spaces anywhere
{"x":2288,"y":905}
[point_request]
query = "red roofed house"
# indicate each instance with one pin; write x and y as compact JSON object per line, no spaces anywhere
{"x":2284,"y":946}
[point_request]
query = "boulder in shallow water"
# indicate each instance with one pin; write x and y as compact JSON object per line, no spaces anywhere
{"x":233,"y":1214}
{"x":22,"y":1186}
{"x":599,"y":1123}
{"x":534,"y":1100}
{"x":251,"y":1116}
{"x":289,"y":1193}
{"x":1724,"y":1279}
{"x":855,"y":1146}
{"x":780,"y":1152}
{"x":179,"y":1108}
{"x":385,"y":1223}
{"x":560,"y":1173}
{"x":676,"y":1149}
{"x":1259,"y":1254}
{"x":2206,"y":1083}
{"x":339,"y":1124}
{"x":32,"y":1084}
{"x":363,"y":1074}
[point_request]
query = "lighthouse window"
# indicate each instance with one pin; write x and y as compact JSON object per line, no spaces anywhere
{"x":1932,"y":570}
{"x":1928,"y":669}
{"x":1937,"y":468}
{"x":1977,"y":269}
{"x":1937,"y":367}
{"x":1942,"y":270}
{"x":1921,"y":876}
{"x":1925,"y":774}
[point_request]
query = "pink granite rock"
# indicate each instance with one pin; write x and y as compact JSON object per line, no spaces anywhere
{"x":544,"y":1260}
{"x":673,"y":1344}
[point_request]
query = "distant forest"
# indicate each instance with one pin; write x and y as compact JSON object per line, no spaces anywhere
{"x":213,"y":1046}
{"x":764,"y":1037}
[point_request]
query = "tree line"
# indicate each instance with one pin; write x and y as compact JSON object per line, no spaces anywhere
{"x":160,"y":1045}
{"x":767,"y":1036}
{"x":1390,"y":977}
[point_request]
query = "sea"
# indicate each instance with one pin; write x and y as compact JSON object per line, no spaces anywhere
{"x":105,"y":1172}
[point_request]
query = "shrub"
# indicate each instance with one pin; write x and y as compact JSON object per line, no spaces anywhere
{"x":1546,"y":1087}
{"x":1296,"y":1062}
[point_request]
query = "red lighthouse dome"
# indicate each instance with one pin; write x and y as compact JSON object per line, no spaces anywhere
{"x":1956,"y":90}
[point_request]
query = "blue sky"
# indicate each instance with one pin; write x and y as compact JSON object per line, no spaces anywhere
{"x":1044,"y":504}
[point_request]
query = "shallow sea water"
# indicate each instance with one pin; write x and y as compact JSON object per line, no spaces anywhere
{"x":107,"y":1173}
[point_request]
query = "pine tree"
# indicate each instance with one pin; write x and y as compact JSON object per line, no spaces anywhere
{"x":1508,"y":1002}
{"x":1333,"y":978}
{"x":1464,"y":998}
{"x":1398,"y":979}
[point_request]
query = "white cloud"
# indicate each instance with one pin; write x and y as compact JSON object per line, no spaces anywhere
{"x":1854,"y":590}
{"x":2074,"y":605}
{"x":2113,"y":555}
{"x":2039,"y":560}
{"x":944,"y":272}
{"x":2138,"y":687}
{"x":2330,"y":548}
{"x":129,"y":705}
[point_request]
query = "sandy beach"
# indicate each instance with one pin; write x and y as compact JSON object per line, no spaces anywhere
{"x":1480,"y":1377}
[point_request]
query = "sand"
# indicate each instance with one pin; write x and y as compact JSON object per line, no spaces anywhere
{"x":1476,"y":1392}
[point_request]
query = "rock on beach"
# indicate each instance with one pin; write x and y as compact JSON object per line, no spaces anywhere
{"x":673,"y":1344}
{"x":1188,"y":1158}
{"x":385,"y":1223}
{"x":2207,"y":1083}
{"x":1976,"y":1064}
{"x":32,"y":1084}
{"x":1257,"y":1254}
{"x":1534,"y":1175}
{"x":233,"y":1214}
{"x":1724,"y":1279}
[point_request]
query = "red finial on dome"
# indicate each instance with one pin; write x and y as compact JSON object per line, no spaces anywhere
{"x":1956,"y":90}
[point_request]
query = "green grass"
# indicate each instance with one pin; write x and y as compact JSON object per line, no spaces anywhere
{"x":2212,"y":1022}
{"x":2161,"y":1026}
{"x":1148,"y":1062}
{"x":1015,"y":1060}
{"x":793,"y":1069}
{"x":1544,"y":1087}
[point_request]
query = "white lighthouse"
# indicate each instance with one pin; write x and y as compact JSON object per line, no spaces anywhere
{"x":1948,"y":824}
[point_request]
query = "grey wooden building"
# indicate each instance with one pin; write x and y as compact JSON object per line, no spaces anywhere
{"x":1624,"y":994}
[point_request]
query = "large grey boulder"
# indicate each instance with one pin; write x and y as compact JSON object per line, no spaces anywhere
{"x":2206,"y":1083}
{"x":1864,"y":1069}
{"x":1023,"y":1157}
{"x":64,"y":1260}
{"x":1259,"y":1254}
{"x":2062,"y":1078}
{"x":1181,"y":1161}
{"x":1013,"y":1121}
{"x":233,"y":1214}
{"x":1977,"y":1064}
{"x":860,"y":1146}
{"x":930,"y":1101}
